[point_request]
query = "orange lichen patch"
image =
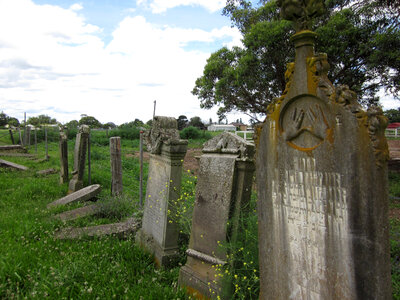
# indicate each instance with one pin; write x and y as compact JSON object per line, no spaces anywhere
{"x":312,"y":78}
{"x":329,"y":135}
{"x":307,"y":150}
{"x":195,"y":293}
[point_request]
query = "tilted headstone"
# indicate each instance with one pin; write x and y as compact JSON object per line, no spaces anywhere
{"x":82,"y":195}
{"x":322,"y":184}
{"x":116,"y":165}
{"x":76,"y":182}
{"x":158,"y":235}
{"x":223,"y":189}
{"x":63,"y":147}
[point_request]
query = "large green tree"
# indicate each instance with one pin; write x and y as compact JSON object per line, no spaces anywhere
{"x":361,"y":38}
{"x":41,"y":120}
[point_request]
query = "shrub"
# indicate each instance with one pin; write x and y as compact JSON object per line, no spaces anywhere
{"x":190,"y":133}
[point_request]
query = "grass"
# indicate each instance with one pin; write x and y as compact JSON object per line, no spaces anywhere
{"x":35,"y":265}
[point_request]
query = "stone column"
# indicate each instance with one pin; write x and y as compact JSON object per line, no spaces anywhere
{"x":322,"y":186}
{"x":76,"y":182}
{"x":158,"y":235}
{"x":223,"y":191}
{"x":63,"y":148}
{"x":116,"y":166}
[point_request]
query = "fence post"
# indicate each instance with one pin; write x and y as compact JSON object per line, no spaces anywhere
{"x":395,"y":133}
{"x":116,"y":166}
{"x":11,"y":136}
{"x":89,"y":160}
{"x":45,"y":141}
{"x":141,"y":169}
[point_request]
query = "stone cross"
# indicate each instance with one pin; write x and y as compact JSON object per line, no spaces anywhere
{"x":63,"y":147}
{"x":159,"y":234}
{"x":76,"y":182}
{"x":223,"y":191}
{"x":322,"y":187}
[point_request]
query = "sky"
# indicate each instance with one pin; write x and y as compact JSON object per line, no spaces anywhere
{"x":110,"y":59}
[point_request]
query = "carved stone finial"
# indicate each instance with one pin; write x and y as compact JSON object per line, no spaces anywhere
{"x":163,"y":130}
{"x":231,"y":144}
{"x":301,"y":12}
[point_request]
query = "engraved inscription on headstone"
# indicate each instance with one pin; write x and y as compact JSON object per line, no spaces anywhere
{"x":159,"y":235}
{"x":322,"y":184}
{"x":223,"y":189}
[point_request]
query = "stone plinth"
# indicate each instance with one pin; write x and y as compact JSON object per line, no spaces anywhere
{"x":223,"y":189}
{"x":322,"y":189}
{"x":81,"y":143}
{"x":158,"y":235}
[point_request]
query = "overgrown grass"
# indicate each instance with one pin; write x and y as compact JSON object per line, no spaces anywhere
{"x":35,"y":265}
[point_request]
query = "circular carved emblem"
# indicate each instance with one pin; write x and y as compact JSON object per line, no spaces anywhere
{"x":305,"y":122}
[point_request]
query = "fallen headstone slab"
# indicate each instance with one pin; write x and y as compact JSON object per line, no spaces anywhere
{"x":78,"y":213}
{"x":84,"y":194}
{"x":13,"y":154}
{"x":12,"y":147}
{"x":10,"y":164}
{"x":122,"y":230}
{"x":47,"y":171}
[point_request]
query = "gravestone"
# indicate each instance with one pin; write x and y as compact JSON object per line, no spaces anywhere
{"x":223,"y":192}
{"x":63,"y":147}
{"x":322,"y":184}
{"x":82,"y":195}
{"x":159,"y":235}
{"x":81,"y":143}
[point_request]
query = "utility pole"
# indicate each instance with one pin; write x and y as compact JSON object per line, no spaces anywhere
{"x":154,"y":111}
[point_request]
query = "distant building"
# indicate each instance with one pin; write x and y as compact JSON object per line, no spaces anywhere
{"x":240,"y":126}
{"x":221,"y":127}
{"x":393,"y":125}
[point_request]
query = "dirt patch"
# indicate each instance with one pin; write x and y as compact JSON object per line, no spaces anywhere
{"x":190,"y":161}
{"x":394,"y":213}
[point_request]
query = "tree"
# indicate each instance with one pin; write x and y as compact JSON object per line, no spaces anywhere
{"x":182,"y":122}
{"x":393,"y":115}
{"x":92,"y":122}
{"x":41,"y":120}
{"x":72,"y":124}
{"x":361,"y":39}
{"x":109,"y":125}
{"x":3,"y":119}
{"x":196,"y":122}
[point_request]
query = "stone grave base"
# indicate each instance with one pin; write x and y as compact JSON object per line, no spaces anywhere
{"x":162,"y":256}
{"x":198,"y":278}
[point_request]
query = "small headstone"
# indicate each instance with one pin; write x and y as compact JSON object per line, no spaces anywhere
{"x":223,"y":192}
{"x":47,"y":172}
{"x":322,"y":185}
{"x":82,"y":195}
{"x":9,"y":164}
{"x":158,"y":235}
{"x":81,"y":143}
{"x":80,"y":212}
{"x":12,"y":147}
{"x":63,"y":147}
{"x":122,"y":230}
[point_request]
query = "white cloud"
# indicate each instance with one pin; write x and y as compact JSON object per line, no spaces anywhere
{"x":53,"y":62}
{"x":160,"y":6}
{"x":76,"y":7}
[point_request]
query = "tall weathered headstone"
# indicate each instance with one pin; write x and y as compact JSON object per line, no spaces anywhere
{"x":81,"y":142}
{"x":322,"y":184}
{"x":158,"y":235}
{"x":223,"y":191}
{"x":63,"y":148}
{"x":116,"y":166}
